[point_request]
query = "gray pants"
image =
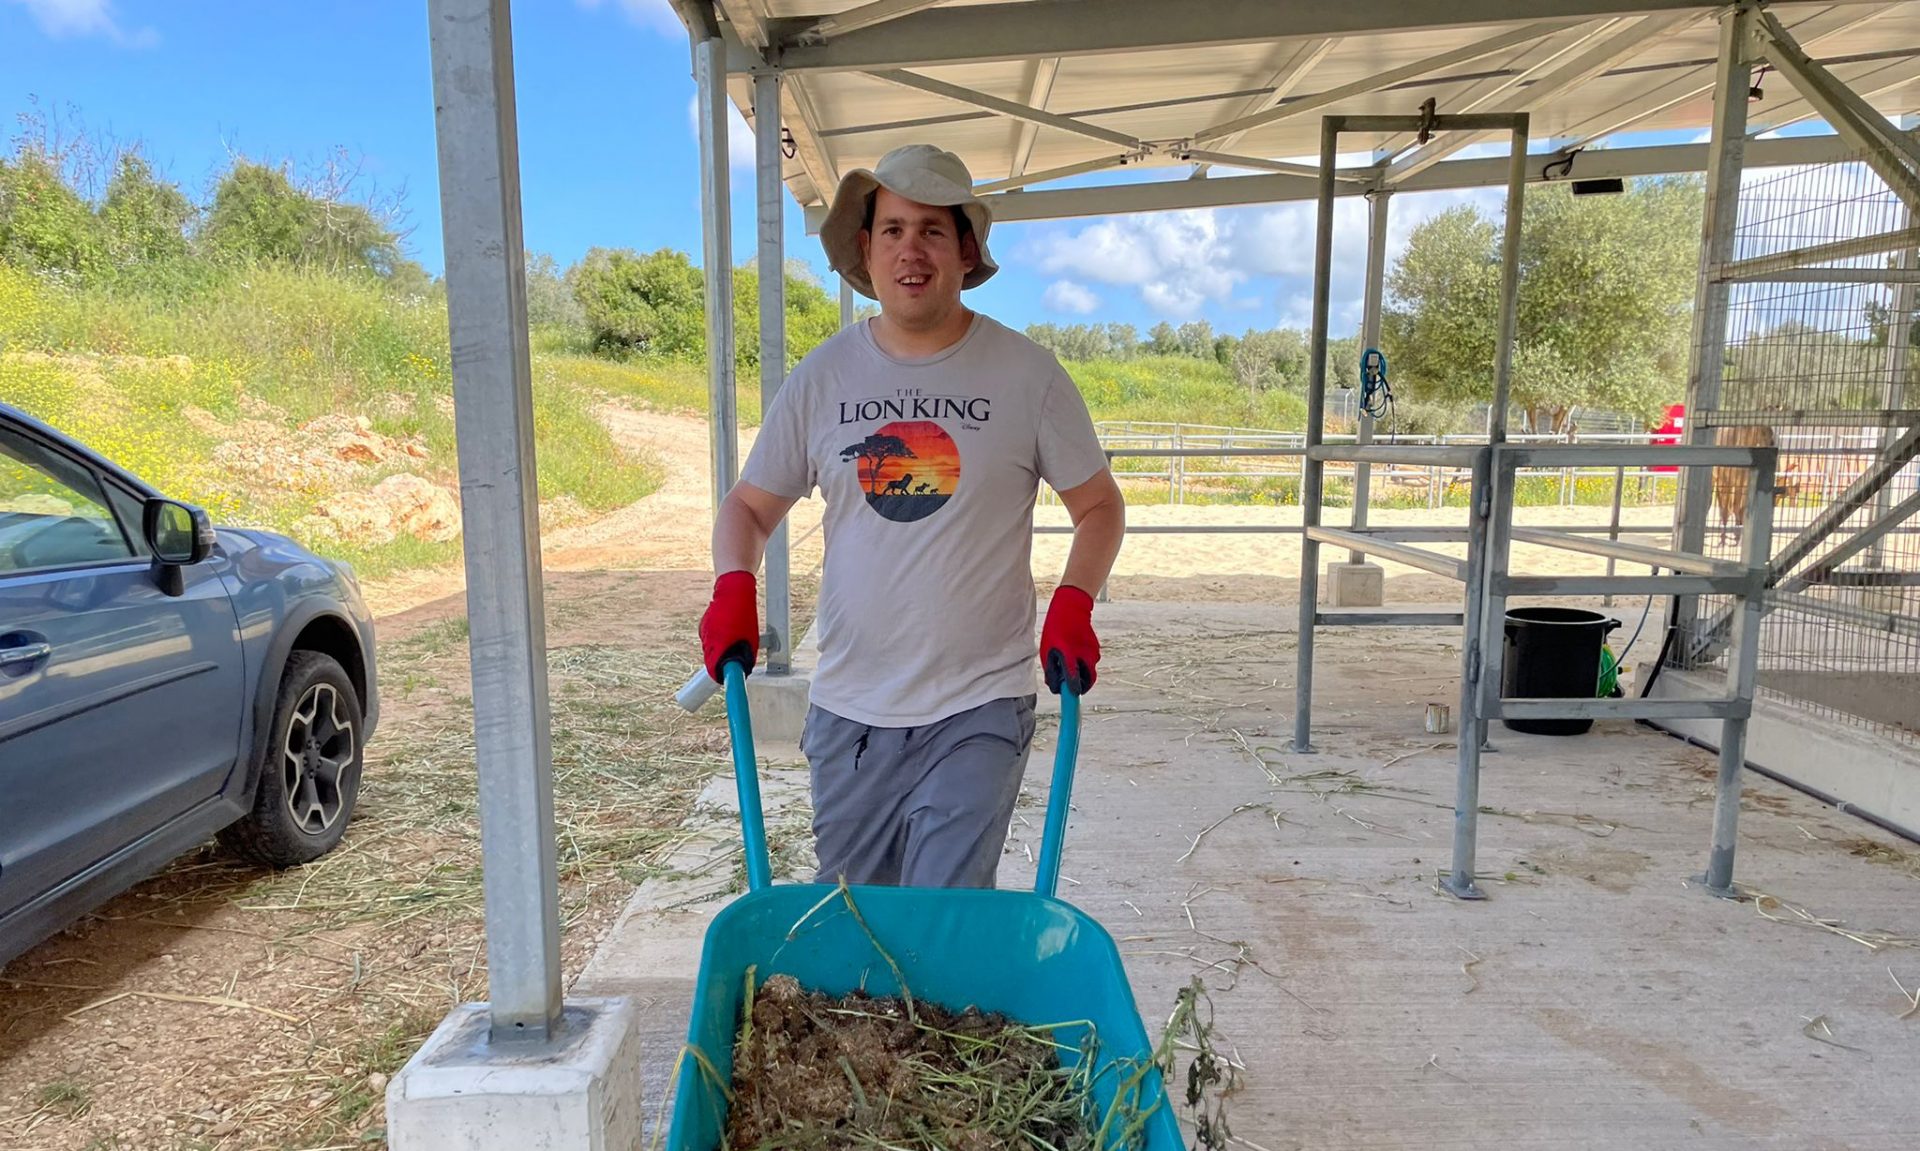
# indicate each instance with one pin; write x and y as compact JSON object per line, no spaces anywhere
{"x":917,"y":806}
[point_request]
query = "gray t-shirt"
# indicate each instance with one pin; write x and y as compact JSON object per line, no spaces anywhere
{"x":929,"y":469}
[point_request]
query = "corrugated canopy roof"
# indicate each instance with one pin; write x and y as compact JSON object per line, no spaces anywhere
{"x":1033,"y":90}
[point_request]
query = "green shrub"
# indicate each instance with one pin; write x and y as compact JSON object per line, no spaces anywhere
{"x":259,"y":215}
{"x":45,"y":225}
{"x":143,"y":219}
{"x":652,"y":305}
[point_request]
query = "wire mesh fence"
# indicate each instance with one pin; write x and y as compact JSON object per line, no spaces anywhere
{"x":1820,"y":351}
{"x":1819,"y":367}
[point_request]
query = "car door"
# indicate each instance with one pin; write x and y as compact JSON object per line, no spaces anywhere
{"x":120,"y":705}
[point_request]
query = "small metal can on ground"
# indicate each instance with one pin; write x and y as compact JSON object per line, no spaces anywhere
{"x":1439,"y":719}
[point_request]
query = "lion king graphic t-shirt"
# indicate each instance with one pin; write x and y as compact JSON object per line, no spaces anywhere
{"x":929,"y":469}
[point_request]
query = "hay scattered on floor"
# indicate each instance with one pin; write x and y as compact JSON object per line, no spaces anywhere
{"x":1874,"y":851}
{"x":1779,"y":910}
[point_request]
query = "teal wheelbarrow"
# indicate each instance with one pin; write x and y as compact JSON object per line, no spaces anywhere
{"x":1029,"y":956}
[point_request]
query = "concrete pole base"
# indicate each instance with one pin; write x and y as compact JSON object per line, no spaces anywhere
{"x":778,"y":705}
{"x":577,"y":1092}
{"x":1356,"y":585}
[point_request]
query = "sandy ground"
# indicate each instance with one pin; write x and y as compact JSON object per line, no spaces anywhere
{"x":1597,"y":999}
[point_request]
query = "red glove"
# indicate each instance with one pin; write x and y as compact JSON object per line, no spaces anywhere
{"x":730,"y":629}
{"x":1068,"y":648}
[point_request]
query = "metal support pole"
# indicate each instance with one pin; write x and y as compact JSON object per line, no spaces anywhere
{"x":716,"y":213}
{"x":1493,"y":607}
{"x":474,"y":120}
{"x":1471,"y":728}
{"x":1613,"y":524}
{"x":846,"y":304}
{"x":1377,"y":203}
{"x":1743,"y":666}
{"x":773,"y":346}
{"x":1726,"y":154}
{"x":1509,"y":284}
{"x":1312,"y":471}
{"x":1899,"y":339}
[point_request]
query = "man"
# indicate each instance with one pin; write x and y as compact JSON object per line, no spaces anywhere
{"x":928,"y":430}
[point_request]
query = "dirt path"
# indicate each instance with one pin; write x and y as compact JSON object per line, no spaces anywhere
{"x":667,"y":531}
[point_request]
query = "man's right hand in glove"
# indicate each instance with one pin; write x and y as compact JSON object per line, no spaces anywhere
{"x":730,"y":628}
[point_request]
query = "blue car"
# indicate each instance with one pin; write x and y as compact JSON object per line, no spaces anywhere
{"x":161,"y":682}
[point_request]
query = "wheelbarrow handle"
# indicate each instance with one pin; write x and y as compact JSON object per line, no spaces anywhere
{"x":753,"y":826}
{"x":746,"y":776}
{"x":1060,"y":796}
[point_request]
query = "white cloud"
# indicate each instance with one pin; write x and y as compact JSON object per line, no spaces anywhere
{"x":654,"y":15}
{"x":1067,"y":296}
{"x":1178,"y":260}
{"x":78,"y":18}
{"x":1183,"y":263}
{"x":739,"y":135}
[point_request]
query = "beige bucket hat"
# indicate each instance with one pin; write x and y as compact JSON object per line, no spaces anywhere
{"x":920,"y":172}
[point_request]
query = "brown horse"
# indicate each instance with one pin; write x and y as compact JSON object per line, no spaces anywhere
{"x":1730,"y":484}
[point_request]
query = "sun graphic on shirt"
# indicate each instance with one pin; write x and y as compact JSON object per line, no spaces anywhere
{"x":908,"y":469}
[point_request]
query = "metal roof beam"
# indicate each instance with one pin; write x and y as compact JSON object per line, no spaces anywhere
{"x":1024,"y":31}
{"x":1489,"y":172}
{"x":1831,"y":22}
{"x":865,"y":16}
{"x":1886,"y":149}
{"x":803,"y":120}
{"x":1251,"y":163}
{"x":1501,"y":80}
{"x":1377,"y":81}
{"x":1040,"y":77}
{"x":1011,"y":108}
{"x":1575,"y":72}
{"x":1787,"y":113}
{"x":1300,"y":60}
{"x":1061,"y":173}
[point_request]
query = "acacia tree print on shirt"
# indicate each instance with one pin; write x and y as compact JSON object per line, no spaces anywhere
{"x":919,"y":489}
{"x":874,"y":452}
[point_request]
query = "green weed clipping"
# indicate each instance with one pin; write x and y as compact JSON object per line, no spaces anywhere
{"x":813,"y":1071}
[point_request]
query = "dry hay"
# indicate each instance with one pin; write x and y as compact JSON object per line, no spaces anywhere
{"x":811,"y":1070}
{"x":1873,"y":851}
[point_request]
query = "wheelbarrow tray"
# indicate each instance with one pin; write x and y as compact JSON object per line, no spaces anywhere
{"x":1036,"y":959}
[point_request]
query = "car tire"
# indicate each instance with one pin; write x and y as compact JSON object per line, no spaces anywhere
{"x":309,"y":775}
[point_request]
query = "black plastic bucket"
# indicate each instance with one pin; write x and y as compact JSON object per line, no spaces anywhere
{"x":1553,"y":653}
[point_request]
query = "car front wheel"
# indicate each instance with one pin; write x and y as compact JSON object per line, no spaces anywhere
{"x":311,"y":773}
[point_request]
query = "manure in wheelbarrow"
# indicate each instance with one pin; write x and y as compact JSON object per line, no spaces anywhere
{"x":815,"y":1071}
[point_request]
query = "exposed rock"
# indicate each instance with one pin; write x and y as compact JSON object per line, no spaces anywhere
{"x":420,"y":507}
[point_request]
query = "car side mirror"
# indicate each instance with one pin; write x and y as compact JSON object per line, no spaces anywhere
{"x":179,"y":535}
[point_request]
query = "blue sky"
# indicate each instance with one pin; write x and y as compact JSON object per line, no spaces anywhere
{"x":608,"y":154}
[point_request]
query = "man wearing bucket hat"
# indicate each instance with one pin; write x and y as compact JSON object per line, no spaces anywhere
{"x":928,"y":430}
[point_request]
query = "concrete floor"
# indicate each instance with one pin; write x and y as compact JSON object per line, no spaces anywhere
{"x":1598,"y":999}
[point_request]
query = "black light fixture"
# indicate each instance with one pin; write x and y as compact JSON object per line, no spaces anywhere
{"x":1754,"y":92}
{"x":1611,"y":186}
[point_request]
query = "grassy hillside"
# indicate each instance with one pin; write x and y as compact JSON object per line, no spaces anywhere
{"x":1181,"y":389}
{"x":283,"y":398}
